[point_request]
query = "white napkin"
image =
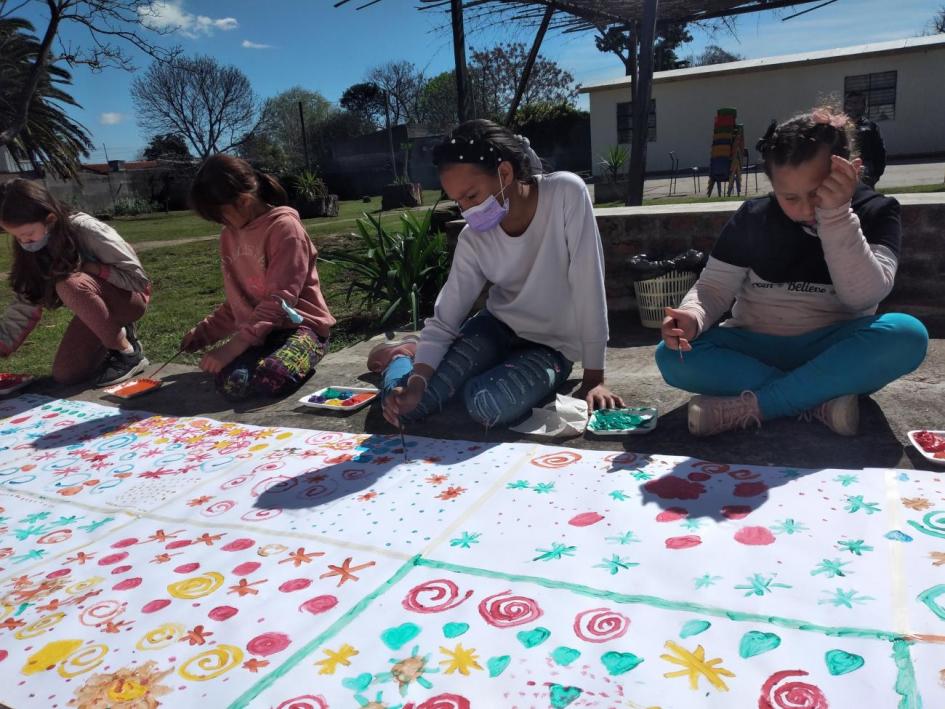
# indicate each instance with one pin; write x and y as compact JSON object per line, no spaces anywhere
{"x":565,"y":416}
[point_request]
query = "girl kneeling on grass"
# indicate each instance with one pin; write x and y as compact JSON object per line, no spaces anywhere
{"x":537,"y":244}
{"x":805,"y":269}
{"x":274,"y":314}
{"x":66,"y":258}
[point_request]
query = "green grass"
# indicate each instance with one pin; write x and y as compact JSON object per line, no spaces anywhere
{"x":913,"y":189}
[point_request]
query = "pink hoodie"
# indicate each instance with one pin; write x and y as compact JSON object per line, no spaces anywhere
{"x":270,"y":259}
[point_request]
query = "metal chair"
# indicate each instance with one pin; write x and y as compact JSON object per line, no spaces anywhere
{"x":674,"y":166}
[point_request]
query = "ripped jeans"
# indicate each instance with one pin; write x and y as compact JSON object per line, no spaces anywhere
{"x":502,"y":375}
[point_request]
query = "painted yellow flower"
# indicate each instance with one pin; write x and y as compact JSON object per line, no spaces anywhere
{"x":134,"y":687}
{"x":460,"y":660}
{"x":695,"y":665}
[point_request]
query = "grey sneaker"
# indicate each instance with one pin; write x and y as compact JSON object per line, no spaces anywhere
{"x":119,"y":366}
{"x":709,"y":415}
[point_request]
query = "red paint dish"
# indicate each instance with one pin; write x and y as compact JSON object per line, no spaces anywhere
{"x":10,"y":383}
{"x":931,"y":444}
{"x":133,"y":388}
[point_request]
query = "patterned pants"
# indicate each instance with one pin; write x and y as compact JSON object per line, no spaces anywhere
{"x":285,"y":360}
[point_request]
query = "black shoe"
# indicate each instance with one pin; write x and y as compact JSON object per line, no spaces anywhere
{"x":119,"y":366}
{"x":132,"y":334}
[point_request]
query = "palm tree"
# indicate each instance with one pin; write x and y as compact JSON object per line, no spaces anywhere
{"x":50,"y":139}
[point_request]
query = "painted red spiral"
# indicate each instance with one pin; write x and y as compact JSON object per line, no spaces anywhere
{"x":442,"y":701}
{"x":442,"y":595}
{"x":306,"y":701}
{"x":561,"y":459}
{"x":790,"y":695}
{"x":505,"y":611}
{"x":600,"y":625}
{"x":218,"y":508}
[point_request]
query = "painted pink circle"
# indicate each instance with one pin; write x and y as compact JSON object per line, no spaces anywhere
{"x":222,"y":613}
{"x":187,"y":568}
{"x":319,"y":604}
{"x":178,"y":544}
{"x":750,"y":489}
{"x":672,"y":514}
{"x":686,"y":542}
{"x":112,"y":559}
{"x":127,"y":584}
{"x":122,"y":543}
{"x":295,"y":585}
{"x":238,"y":544}
{"x":754,"y":536}
{"x":3,"y":655}
{"x":736,"y":511}
{"x":699,"y":477}
{"x":246,"y":568}
{"x":268,"y":644}
{"x":121,"y":569}
{"x":154,"y":606}
{"x":58,"y":574}
{"x":585,"y":519}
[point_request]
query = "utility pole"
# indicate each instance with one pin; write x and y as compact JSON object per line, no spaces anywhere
{"x":308,"y":165}
{"x":642,"y":91}
{"x":459,"y":57}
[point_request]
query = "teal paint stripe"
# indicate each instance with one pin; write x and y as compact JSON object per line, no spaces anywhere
{"x":656,"y":602}
{"x":905,"y":679}
{"x":332,"y":630}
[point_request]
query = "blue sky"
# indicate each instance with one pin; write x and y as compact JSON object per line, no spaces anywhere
{"x":283,"y":43}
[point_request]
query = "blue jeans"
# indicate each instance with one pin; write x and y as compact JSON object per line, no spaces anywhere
{"x":793,"y":374}
{"x":502,"y":375}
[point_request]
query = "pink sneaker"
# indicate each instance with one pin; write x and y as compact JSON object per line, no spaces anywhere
{"x":709,"y":415}
{"x":840,"y":415}
{"x":383,"y":352}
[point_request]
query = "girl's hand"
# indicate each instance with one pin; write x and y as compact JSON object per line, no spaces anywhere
{"x":216,"y":359}
{"x":599,"y":397}
{"x":403,"y":400}
{"x":837,"y":190}
{"x":190,"y":342}
{"x":91,"y":268}
{"x":679,"y":329}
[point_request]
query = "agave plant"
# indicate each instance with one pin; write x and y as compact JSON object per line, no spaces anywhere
{"x":401,"y":268}
{"x":309,"y":187}
{"x":613,"y":160}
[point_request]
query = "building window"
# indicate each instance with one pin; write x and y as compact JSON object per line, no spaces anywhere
{"x":879,"y":92}
{"x":625,"y":122}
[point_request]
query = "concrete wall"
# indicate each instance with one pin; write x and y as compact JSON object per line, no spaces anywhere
{"x":686,"y":105}
{"x":96,"y":194}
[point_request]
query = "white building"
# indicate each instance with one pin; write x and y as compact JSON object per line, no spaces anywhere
{"x":903,"y":81}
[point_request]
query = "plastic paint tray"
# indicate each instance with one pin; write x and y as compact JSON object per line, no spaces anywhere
{"x":926,"y":454}
{"x":334,"y":398}
{"x":133,"y":388}
{"x":10,"y":383}
{"x":622,"y":422}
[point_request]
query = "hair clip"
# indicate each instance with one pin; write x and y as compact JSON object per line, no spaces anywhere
{"x":824,"y":117}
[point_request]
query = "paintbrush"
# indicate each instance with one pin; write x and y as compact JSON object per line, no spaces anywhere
{"x":403,"y":439}
{"x":678,"y":341}
{"x":178,"y":354}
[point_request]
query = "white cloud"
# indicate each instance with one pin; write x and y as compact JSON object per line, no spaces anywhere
{"x":111,"y":119}
{"x":255,"y":45}
{"x":170,"y":16}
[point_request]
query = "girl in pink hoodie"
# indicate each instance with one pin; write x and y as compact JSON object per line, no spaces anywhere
{"x":274,"y":315}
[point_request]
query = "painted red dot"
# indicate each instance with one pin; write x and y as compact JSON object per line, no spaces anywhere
{"x":127,"y":584}
{"x":295,"y":585}
{"x":319,"y":604}
{"x":672,"y":514}
{"x":156,"y":605}
{"x":750,"y":489}
{"x":754,"y":536}
{"x":585,"y":519}
{"x":246,"y":568}
{"x":112,"y":559}
{"x":736,"y":511}
{"x":122,"y":543}
{"x":686,"y":542}
{"x":178,"y":544}
{"x":268,"y":644}
{"x":238,"y":544}
{"x":699,"y":477}
{"x":222,"y":613}
{"x":58,"y":574}
{"x":3,"y":655}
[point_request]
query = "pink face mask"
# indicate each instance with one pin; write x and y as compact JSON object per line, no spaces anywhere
{"x":488,"y":214}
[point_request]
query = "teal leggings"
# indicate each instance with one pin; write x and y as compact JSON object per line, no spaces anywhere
{"x":793,"y":374}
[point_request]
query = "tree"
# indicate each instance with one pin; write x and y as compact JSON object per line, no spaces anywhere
{"x":113,"y":27}
{"x":937,"y":23}
{"x":209,"y":104}
{"x":169,"y":146}
{"x":365,"y":100}
{"x":494,"y":75}
{"x":48,"y":137}
{"x":713,"y":54}
{"x":403,"y":83}
{"x":619,"y":41}
{"x":337,"y":126}
{"x":263,"y":154}
{"x":439,"y":101}
{"x":279,"y":122}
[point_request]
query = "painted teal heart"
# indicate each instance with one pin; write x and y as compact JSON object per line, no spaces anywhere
{"x":454,"y":630}
{"x":396,"y":638}
{"x":531,"y":638}
{"x":359,"y":683}
{"x":497,"y":665}
{"x":756,"y":643}
{"x":564,"y":656}
{"x":694,"y":627}
{"x":619,"y":662}
{"x":562,"y":696}
{"x":840,"y":662}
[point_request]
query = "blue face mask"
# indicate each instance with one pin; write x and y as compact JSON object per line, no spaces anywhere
{"x":38,"y":245}
{"x":488,"y":214}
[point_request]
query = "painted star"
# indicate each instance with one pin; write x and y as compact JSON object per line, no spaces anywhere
{"x":460,"y":660}
{"x":465,"y":540}
{"x":342,"y":656}
{"x":855,"y":503}
{"x":832,"y":568}
{"x":854,"y":546}
{"x":300,"y":556}
{"x":557,"y":551}
{"x":625,"y":538}
{"x":245,"y":588}
{"x":615,"y":564}
{"x":706,"y":580}
{"x":345,"y":572}
{"x":847,"y":599}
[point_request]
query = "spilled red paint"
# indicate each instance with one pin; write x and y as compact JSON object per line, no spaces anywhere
{"x":670,"y":488}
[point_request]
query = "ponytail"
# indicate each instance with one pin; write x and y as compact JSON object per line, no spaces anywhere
{"x":801,"y":138}
{"x":270,"y":190}
{"x":222,"y":179}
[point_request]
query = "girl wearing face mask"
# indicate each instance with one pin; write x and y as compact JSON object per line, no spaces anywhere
{"x":66,"y":258}
{"x":274,"y":321}
{"x":802,"y":271}
{"x":534,"y":238}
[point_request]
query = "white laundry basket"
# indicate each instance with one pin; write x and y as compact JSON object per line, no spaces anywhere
{"x":666,"y":291}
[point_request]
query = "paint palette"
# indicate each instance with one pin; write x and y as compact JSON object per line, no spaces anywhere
{"x":931,"y":444}
{"x":133,"y":388}
{"x":622,"y":422}
{"x":10,"y":383}
{"x":338,"y":398}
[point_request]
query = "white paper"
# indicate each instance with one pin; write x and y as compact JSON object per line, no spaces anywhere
{"x":563,"y":417}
